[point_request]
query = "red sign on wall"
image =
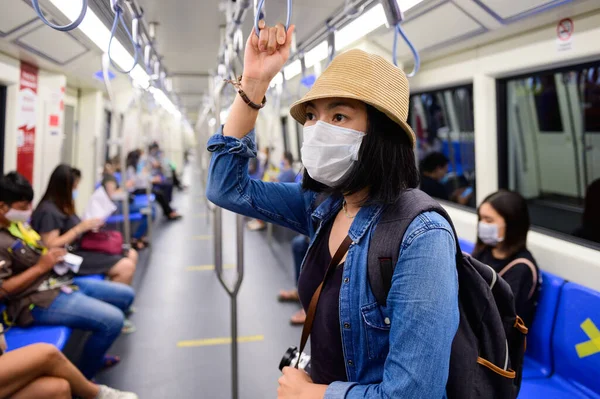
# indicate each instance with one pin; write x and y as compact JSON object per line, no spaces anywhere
{"x":28,"y":89}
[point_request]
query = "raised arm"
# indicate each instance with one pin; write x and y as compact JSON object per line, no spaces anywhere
{"x":229,"y":185}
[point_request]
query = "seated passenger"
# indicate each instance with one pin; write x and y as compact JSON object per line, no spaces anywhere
{"x":42,"y":371}
{"x":286,"y":173}
{"x":434,"y":171}
{"x":358,"y":152}
{"x":502,"y":244}
{"x":434,"y":167}
{"x":590,"y":226}
{"x":158,"y":171}
{"x":55,"y":219}
{"x":116,"y":193}
{"x":138,"y":179}
{"x":35,"y":294}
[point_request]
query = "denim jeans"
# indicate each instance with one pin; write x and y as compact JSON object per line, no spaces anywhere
{"x":97,"y":307}
{"x":299,"y":248}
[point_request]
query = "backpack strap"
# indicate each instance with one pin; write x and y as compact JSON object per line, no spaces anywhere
{"x":384,"y":247}
{"x":531,"y":267}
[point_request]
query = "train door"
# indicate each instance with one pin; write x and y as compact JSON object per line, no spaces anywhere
{"x":555,"y":135}
{"x":69,"y":135}
{"x":2,"y":126}
{"x":587,"y":113}
{"x":523,"y":154}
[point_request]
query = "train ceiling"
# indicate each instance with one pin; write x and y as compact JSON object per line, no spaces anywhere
{"x":188,"y":33}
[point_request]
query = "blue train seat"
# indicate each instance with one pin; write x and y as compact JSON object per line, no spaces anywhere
{"x":466,"y":245}
{"x":575,"y":347}
{"x":98,"y":277}
{"x":538,"y":358}
{"x":55,"y":335}
{"x":19,"y":337}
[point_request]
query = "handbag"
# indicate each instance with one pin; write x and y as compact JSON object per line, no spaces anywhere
{"x":106,"y":241}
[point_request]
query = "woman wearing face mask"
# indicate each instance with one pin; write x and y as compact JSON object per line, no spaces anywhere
{"x":58,"y":224}
{"x":358,"y":154}
{"x":502,"y":239}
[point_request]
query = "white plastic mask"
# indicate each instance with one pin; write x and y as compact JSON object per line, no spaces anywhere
{"x":329,"y":151}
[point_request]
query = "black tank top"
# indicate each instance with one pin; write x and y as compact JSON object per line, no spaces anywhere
{"x":327,"y":355}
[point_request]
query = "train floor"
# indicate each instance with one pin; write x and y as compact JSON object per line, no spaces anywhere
{"x":181,"y":348}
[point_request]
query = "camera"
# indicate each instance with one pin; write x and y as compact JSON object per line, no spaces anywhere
{"x":290,"y":358}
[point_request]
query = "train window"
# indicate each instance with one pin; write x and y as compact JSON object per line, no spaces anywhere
{"x":444,"y":125}
{"x":558,"y":173}
{"x":546,"y":103}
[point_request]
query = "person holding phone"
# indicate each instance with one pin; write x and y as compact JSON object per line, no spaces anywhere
{"x":434,"y":175}
{"x":35,"y":295}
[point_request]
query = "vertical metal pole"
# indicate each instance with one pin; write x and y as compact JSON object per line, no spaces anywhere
{"x":218,"y":254}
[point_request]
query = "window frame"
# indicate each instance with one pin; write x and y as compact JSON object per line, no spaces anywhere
{"x":502,"y":141}
{"x":469,"y":86}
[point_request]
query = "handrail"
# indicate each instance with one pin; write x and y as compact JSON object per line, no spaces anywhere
{"x":258,"y":13}
{"x":394,"y":17}
{"x":218,"y":256}
{"x":133,"y":38}
{"x":399,"y":31}
{"x":111,"y":99}
{"x":63,"y":28}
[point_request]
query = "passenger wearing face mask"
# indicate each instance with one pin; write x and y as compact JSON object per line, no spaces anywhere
{"x":502,"y":244}
{"x":358,"y":154}
{"x":58,"y":224}
{"x":35,"y":294}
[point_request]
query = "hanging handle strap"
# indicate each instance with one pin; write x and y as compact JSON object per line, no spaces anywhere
{"x":312,"y":308}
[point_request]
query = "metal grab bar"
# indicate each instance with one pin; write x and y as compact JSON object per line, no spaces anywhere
{"x":126,"y":222}
{"x":64,"y":28}
{"x":258,"y":14}
{"x":218,"y":254}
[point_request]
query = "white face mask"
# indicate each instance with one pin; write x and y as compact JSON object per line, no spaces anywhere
{"x":15,"y":215}
{"x":488,"y":233}
{"x":329,"y":151}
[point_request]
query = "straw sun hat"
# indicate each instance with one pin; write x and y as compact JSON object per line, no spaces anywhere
{"x":365,"y":77}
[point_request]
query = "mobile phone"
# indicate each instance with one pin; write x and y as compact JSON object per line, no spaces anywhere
{"x":467,"y":192}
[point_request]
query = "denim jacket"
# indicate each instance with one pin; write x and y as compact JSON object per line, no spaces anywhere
{"x":401,"y":350}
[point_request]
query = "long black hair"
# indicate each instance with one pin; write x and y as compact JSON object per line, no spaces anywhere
{"x":513,"y":209}
{"x":60,"y":189}
{"x":386,"y":164}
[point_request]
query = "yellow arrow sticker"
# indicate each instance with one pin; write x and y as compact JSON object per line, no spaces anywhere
{"x":592,"y":346}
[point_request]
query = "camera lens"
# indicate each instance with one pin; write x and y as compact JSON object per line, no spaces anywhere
{"x":288,"y":357}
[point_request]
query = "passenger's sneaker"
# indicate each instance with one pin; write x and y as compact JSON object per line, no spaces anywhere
{"x":111,"y":393}
{"x":128,"y":327}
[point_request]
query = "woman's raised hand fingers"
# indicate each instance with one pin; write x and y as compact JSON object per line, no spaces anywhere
{"x":263,"y":39}
{"x":272,"y":44}
{"x":285,"y":49}
{"x":280,"y":34}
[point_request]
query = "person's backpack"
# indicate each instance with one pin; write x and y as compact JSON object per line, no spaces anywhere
{"x":488,"y":349}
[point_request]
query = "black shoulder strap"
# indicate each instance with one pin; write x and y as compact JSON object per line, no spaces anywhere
{"x":384,"y":247}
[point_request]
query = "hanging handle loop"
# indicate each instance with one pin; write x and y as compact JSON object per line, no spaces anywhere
{"x":134,"y":40}
{"x":258,"y":14}
{"x":64,"y":28}
{"x":399,"y":31}
{"x":394,"y":17}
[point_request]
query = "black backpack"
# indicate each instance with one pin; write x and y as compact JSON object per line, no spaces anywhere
{"x":488,"y":349}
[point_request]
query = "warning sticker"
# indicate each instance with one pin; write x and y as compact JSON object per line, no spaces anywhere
{"x":564,"y":34}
